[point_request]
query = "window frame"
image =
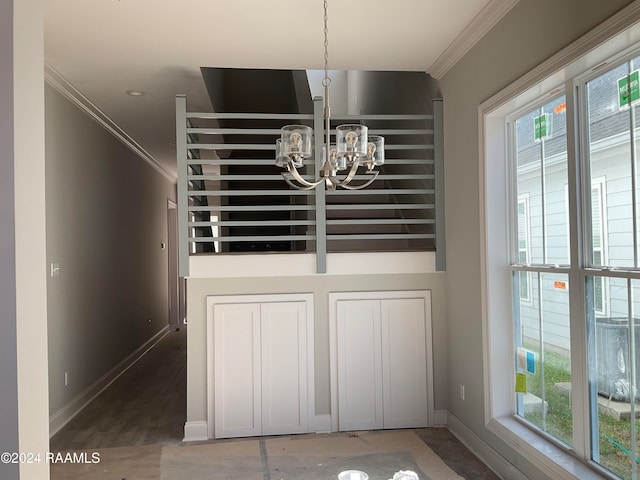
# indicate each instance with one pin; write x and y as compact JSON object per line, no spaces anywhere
{"x":524,"y":199}
{"x":589,"y":52}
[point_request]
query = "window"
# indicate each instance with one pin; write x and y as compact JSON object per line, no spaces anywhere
{"x":541,"y":312}
{"x":562,"y":164}
{"x":610,"y":105}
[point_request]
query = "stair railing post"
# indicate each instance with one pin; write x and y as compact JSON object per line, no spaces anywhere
{"x":183,"y":203}
{"x":438,"y":146}
{"x":320,"y":192}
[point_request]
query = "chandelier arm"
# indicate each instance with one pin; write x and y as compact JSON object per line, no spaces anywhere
{"x":290,"y":182}
{"x":352,"y":173}
{"x":294,"y":172}
{"x":358,"y":187}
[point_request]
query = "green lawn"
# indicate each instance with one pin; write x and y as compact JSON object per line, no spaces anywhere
{"x":615,"y":435}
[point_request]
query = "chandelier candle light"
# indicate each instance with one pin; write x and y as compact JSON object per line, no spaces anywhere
{"x":354,"y":147}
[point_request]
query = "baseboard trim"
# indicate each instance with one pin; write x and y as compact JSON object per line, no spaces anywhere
{"x":63,"y":416}
{"x":322,"y":424}
{"x":196,"y":431}
{"x":440,"y":418}
{"x":483,"y":450}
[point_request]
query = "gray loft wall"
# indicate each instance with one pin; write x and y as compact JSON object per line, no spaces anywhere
{"x":8,"y":314}
{"x":529,"y":34}
{"x":106,"y":219}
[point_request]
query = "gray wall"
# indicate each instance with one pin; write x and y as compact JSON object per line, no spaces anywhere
{"x":106,"y":218}
{"x":8,"y":318}
{"x":530,"y":33}
{"x":320,"y":286}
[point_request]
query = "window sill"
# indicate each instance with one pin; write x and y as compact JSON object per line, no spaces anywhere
{"x":544,"y":455}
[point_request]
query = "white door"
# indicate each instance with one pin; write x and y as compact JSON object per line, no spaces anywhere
{"x":359,"y":365}
{"x":382,"y":364}
{"x":284,"y":368}
{"x":237,"y":370}
{"x":404,"y":363}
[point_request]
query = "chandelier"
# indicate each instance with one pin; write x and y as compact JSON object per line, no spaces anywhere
{"x":353,"y":147}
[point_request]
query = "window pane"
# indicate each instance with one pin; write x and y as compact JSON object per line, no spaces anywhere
{"x":541,"y":157}
{"x":612,"y":349}
{"x":610,"y":162}
{"x":543,"y":355}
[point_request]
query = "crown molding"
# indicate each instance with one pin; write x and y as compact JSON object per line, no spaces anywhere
{"x":491,"y":14}
{"x":64,"y":87}
{"x":614,"y":25}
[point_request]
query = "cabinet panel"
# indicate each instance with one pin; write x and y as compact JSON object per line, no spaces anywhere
{"x":404,"y":363}
{"x":381,"y":370}
{"x":260,"y":353}
{"x":284,"y":368}
{"x":237,"y":370}
{"x":359,"y":364}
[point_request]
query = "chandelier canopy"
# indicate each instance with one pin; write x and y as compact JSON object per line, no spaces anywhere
{"x":353,"y":146}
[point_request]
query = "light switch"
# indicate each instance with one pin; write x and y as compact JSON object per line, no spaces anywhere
{"x":55,"y":269}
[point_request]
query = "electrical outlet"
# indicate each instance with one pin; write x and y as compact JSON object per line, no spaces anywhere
{"x":461,"y":392}
{"x":66,"y":379}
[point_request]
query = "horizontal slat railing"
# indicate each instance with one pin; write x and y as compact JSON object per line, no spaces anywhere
{"x":235,"y":200}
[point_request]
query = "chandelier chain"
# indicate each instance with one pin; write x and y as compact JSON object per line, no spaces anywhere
{"x":326,"y":81}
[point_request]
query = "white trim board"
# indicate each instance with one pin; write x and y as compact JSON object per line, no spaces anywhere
{"x":63,"y":416}
{"x":304,"y":264}
{"x":62,"y":86}
{"x":195,"y":431}
{"x":483,"y":450}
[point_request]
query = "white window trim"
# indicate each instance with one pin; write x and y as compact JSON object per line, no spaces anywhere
{"x":588,"y":51}
{"x":524,"y":198}
{"x":600,"y":183}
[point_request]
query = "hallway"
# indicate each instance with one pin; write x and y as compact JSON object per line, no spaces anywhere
{"x":145,"y":405}
{"x":137,"y":423}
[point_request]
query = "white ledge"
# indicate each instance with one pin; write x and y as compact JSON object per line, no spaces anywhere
{"x":303,"y":264}
{"x":543,"y":454}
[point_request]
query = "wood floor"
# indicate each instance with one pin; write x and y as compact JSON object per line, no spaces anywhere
{"x":147,"y":406}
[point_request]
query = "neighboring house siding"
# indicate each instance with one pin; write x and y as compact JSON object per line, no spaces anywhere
{"x":611,"y":167}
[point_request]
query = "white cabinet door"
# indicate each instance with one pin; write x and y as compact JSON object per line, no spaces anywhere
{"x":404,"y":363}
{"x":237,"y":370}
{"x":359,"y":365}
{"x":261,"y":382}
{"x":382,"y":364}
{"x":284,"y":368}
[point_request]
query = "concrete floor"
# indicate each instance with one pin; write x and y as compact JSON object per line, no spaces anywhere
{"x":136,"y":428}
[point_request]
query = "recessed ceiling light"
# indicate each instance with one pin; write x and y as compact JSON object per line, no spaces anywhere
{"x":135,"y":93}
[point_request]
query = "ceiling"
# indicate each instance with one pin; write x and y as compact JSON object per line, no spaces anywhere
{"x":96,"y":51}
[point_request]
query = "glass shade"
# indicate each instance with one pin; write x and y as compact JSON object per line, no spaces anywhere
{"x":296,"y":141}
{"x":337,"y":163}
{"x":281,"y":160}
{"x":351,"y":141}
{"x":375,"y":150}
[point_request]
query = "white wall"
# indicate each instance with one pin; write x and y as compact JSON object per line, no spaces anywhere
{"x":23,"y":314}
{"x":106,"y":218}
{"x":530,"y":33}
